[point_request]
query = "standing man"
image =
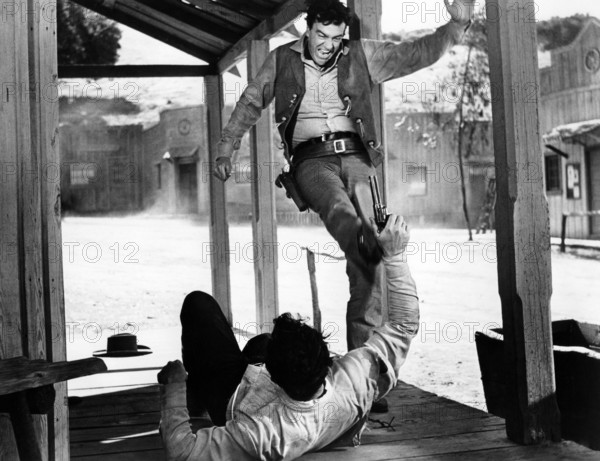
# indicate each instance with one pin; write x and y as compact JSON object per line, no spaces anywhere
{"x":322,"y":89}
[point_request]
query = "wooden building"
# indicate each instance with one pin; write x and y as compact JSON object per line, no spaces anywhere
{"x":570,"y":122}
{"x":424,"y":172}
{"x":166,"y":169}
{"x":175,"y":157}
{"x":223,"y":32}
{"x":101,"y":168}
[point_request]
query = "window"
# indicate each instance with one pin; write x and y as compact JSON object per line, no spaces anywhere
{"x":417,"y":180}
{"x":82,"y":174}
{"x":552,"y":170}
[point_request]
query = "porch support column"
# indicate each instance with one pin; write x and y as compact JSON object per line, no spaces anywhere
{"x":264,"y":227}
{"x":219,"y":227}
{"x":523,"y":226}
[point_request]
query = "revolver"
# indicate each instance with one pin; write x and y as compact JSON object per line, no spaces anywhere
{"x":379,"y":209}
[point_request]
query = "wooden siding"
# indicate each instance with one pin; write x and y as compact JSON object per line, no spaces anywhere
{"x":568,"y":70}
{"x":115,"y":154}
{"x":31,"y":291}
{"x":570,"y":93}
{"x":442,"y":202}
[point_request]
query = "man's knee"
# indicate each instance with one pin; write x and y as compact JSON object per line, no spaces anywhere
{"x":198,"y":307}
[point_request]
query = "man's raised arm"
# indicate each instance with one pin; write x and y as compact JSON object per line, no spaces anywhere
{"x":257,"y":96}
{"x":389,"y":60}
{"x":392,"y":341}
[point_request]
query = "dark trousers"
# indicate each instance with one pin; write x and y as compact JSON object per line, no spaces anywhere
{"x":327,"y":184}
{"x":211,"y":355}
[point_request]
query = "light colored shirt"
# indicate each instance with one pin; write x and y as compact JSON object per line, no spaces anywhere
{"x":321,"y":110}
{"x":264,"y":423}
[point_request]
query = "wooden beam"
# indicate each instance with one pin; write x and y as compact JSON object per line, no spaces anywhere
{"x":224,"y":12}
{"x":523,"y":230}
{"x":207,"y":25}
{"x":255,"y":9}
{"x":139,"y":71}
{"x":54,"y":302}
{"x":14,"y":117}
{"x":264,"y":228}
{"x":158,"y":30}
{"x":271,"y":26}
{"x":20,"y":373}
{"x":219,"y":228}
{"x":161,"y":19}
{"x":42,"y":126}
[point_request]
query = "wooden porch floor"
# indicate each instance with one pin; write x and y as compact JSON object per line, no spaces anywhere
{"x":122,"y":425}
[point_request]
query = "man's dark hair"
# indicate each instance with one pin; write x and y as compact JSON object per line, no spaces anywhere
{"x":327,"y":12}
{"x":297,"y":357}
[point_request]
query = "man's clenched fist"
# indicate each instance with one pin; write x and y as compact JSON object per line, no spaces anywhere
{"x":172,"y":372}
{"x":223,"y":168}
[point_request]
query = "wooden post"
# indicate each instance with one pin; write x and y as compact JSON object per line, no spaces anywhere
{"x":44,"y":115}
{"x":264,"y":228}
{"x":314,"y":291}
{"x":219,"y":228}
{"x":13,"y":42}
{"x":523,"y":229}
{"x":32,"y":321}
{"x":369,"y":14}
{"x":563,"y":232}
{"x":56,"y":342}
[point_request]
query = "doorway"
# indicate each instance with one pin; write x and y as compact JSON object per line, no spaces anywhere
{"x":187,"y":195}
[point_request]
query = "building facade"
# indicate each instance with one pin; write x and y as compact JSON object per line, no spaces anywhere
{"x":175,"y":153}
{"x":570,"y":123}
{"x":424,"y":179}
{"x":168,"y":170}
{"x":101,"y":168}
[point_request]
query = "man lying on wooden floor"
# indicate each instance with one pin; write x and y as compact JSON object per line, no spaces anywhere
{"x":299,"y":400}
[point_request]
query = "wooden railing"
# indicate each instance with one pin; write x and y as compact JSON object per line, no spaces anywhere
{"x":563,"y":230}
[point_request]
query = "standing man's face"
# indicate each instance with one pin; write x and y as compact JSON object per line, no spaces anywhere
{"x":324,"y":41}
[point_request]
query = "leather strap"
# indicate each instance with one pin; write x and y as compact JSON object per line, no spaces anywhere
{"x":323,"y":149}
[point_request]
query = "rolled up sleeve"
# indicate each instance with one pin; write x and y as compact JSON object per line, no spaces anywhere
{"x":391,"y":342}
{"x":388,"y":60}
{"x":180,"y":443}
{"x":257,"y":96}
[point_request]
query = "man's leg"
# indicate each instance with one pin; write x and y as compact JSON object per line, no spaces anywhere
{"x":327,"y":185}
{"x":365,"y":307}
{"x":211,"y":355}
{"x":321,"y":185}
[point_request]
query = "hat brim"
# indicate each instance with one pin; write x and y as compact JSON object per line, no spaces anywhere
{"x":141,"y":350}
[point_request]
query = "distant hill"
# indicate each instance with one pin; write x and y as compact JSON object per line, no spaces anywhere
{"x":153,"y":95}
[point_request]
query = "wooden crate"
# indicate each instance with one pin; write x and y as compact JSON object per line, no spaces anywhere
{"x":577,"y":371}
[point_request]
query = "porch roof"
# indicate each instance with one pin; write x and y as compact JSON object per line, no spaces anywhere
{"x":215,"y":31}
{"x":586,"y":133}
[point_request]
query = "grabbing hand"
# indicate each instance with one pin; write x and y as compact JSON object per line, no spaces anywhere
{"x":172,"y":372}
{"x":394,"y":237}
{"x":222,"y":169}
{"x":461,"y":10}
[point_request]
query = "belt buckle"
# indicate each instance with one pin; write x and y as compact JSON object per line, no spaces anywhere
{"x":339,"y":146}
